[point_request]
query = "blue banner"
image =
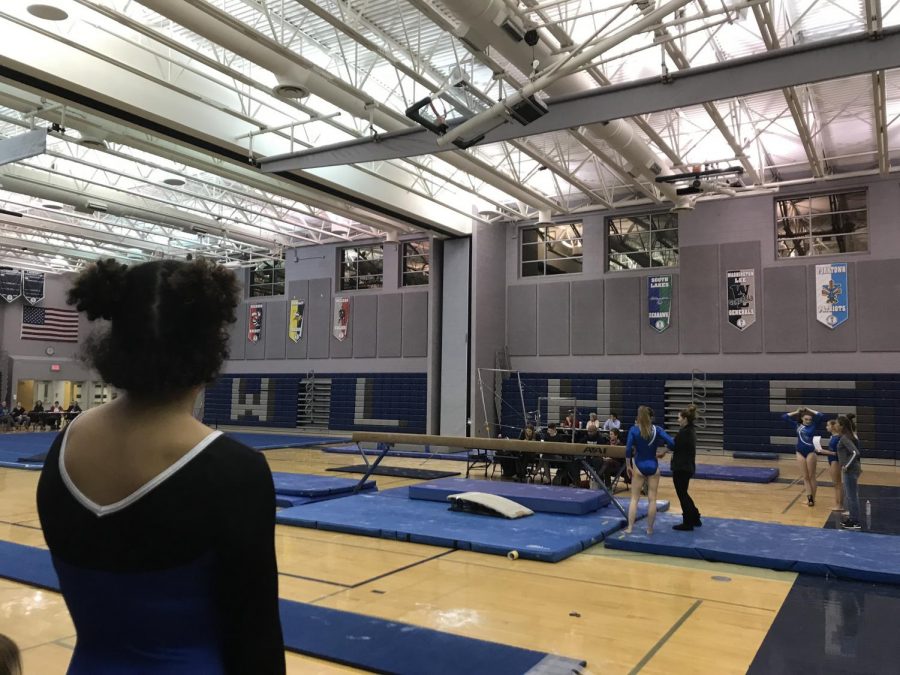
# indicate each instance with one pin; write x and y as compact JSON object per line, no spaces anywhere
{"x":659,"y":301}
{"x":832,"y":294}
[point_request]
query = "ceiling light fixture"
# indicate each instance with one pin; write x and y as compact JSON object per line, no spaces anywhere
{"x":174,"y":181}
{"x":47,"y":12}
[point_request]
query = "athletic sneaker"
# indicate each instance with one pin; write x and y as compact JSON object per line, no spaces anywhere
{"x":850,"y":525}
{"x":810,"y":501}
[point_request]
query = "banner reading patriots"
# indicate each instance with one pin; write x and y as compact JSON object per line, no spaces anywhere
{"x":50,"y":325}
{"x":33,"y":286}
{"x":295,"y":320}
{"x":659,"y":301}
{"x":341,"y":317}
{"x":10,"y":284}
{"x":255,"y":323}
{"x":832,"y":299}
{"x":741,"y":298}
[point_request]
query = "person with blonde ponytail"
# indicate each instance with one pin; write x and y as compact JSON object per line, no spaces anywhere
{"x":641,"y":457}
{"x":683,"y":467}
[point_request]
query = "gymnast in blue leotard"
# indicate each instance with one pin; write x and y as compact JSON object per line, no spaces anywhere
{"x":805,"y":421}
{"x":642,"y":451}
{"x":834,"y":466}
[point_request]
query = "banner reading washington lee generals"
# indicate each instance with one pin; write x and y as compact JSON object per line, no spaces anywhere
{"x":741,"y":298}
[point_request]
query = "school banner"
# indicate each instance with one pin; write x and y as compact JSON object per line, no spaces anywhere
{"x":741,"y":298}
{"x":33,"y":286}
{"x":659,"y":301}
{"x":832,"y":299}
{"x":255,"y":323}
{"x":295,"y":320}
{"x":341,"y":317}
{"x":10,"y":284}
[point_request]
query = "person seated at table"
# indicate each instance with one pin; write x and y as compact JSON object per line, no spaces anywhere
{"x":20,"y":416}
{"x":73,"y":411}
{"x":611,"y":465}
{"x":54,"y":415}
{"x":37,"y":415}
{"x":612,"y":422}
{"x":512,"y":464}
{"x":592,"y":429}
{"x":551,"y":435}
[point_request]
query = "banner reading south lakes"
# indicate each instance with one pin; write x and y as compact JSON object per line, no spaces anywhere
{"x":659,"y":301}
{"x":832,"y":296}
{"x":341,"y":318}
{"x":10,"y":284}
{"x":741,"y":298}
{"x":33,"y":286}
{"x":255,"y":323}
{"x":295,"y":320}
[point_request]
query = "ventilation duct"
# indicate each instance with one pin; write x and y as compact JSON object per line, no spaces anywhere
{"x":481,"y":24}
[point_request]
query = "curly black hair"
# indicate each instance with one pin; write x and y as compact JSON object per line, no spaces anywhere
{"x":168,"y":327}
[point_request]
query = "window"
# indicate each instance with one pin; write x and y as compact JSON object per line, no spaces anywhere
{"x":551,"y":249}
{"x":821,"y":224}
{"x":416,"y":262}
{"x":267,"y":278}
{"x":362,"y":267}
{"x":646,"y":240}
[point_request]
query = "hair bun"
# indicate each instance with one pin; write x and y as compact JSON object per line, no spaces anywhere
{"x":851,"y":416}
{"x":99,"y":290}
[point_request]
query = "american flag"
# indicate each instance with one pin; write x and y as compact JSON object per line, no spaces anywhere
{"x":52,"y":325}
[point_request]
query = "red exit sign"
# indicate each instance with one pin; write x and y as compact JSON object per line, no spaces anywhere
{"x":55,"y":368}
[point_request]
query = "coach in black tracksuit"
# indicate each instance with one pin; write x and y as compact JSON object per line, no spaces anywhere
{"x":683,"y":467}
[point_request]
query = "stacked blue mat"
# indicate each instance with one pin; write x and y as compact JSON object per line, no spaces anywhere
{"x":739,"y":474}
{"x":808,"y":550}
{"x":352,"y":639}
{"x":294,"y":489}
{"x":542,"y":498}
{"x":397,"y":514}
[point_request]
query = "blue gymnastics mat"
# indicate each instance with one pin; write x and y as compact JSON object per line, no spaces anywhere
{"x":549,"y":537}
{"x":411,"y":454}
{"x":755,"y":455}
{"x":542,"y":498}
{"x":25,"y":450}
{"x":294,"y":489}
{"x":739,"y":474}
{"x":343,"y":637}
{"x":855,"y":556}
{"x":276,"y":441}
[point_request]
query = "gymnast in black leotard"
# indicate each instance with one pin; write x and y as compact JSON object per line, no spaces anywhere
{"x":161,"y":529}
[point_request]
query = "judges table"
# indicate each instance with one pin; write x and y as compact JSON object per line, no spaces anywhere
{"x":582,"y":452}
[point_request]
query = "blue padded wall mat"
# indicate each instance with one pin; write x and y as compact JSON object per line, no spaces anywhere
{"x":846,"y":555}
{"x":549,"y":537}
{"x":390,"y":647}
{"x":308,"y":485}
{"x":275,"y":441}
{"x":412,"y":454}
{"x":740,"y":474}
{"x":345,"y":637}
{"x":542,"y":498}
{"x":755,"y":455}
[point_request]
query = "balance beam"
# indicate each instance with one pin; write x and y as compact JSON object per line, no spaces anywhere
{"x":582,"y":451}
{"x":501,"y":444}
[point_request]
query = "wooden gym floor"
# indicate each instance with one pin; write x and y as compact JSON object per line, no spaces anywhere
{"x":621,"y":612}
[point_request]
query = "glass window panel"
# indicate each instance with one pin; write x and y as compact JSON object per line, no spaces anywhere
{"x":635,"y":242}
{"x":838,"y":224}
{"x":792,"y":208}
{"x":532,"y":269}
{"x":665,"y":257}
{"x":279,"y":275}
{"x":793,"y":227}
{"x":261,"y":276}
{"x":277,"y":289}
{"x":854,"y":221}
{"x":663,"y":221}
{"x":665,"y":239}
{"x":531,"y":235}
{"x":564,"y":266}
{"x":415,"y":279}
{"x":348,"y":284}
{"x":256,"y":291}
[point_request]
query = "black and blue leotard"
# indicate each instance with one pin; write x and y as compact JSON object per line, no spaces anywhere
{"x":805,"y":432}
{"x":179,"y":577}
{"x":644,"y":450}
{"x":832,"y":445}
